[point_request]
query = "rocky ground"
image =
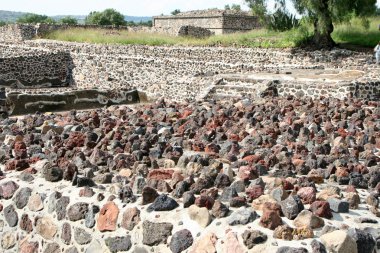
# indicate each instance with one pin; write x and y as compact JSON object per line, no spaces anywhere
{"x":276,"y":175}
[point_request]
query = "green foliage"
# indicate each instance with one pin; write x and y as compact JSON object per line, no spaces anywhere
{"x":2,"y":23}
{"x":353,"y":33}
{"x":282,"y":21}
{"x":106,"y":17}
{"x":235,"y":7}
{"x":175,"y":12}
{"x":326,"y":12}
{"x":141,"y":23}
{"x":68,"y":21}
{"x":34,"y":19}
{"x":259,"y":9}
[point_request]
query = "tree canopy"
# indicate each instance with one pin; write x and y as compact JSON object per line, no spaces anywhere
{"x":323,"y":14}
{"x":35,"y":18}
{"x":68,"y":21}
{"x":175,"y":12}
{"x":235,"y":7}
{"x":106,"y":17}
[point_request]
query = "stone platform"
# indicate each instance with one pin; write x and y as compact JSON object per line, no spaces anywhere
{"x":297,"y":82}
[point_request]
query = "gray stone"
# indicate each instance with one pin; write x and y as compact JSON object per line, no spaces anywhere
{"x":52,"y":201}
{"x":10,"y":215}
{"x":163,"y":203}
{"x":364,"y":241}
{"x":66,"y":233}
{"x":156,"y":233}
{"x":338,"y":206}
{"x":318,"y":247}
{"x":180,"y":241}
{"x":81,"y":236}
{"x":22,"y":196}
{"x":188,"y":199}
{"x":242,"y":216}
{"x":73,"y":250}
{"x":116,"y":244}
{"x":52,"y":174}
{"x":90,"y":216}
{"x":138,"y":185}
{"x":61,"y":206}
{"x":52,"y":247}
{"x":253,"y":237}
{"x":286,"y":249}
{"x":228,"y":193}
{"x":77,"y":211}
{"x":291,"y":206}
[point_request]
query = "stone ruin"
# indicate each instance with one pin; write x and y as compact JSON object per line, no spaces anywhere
{"x":270,"y":138}
{"x":214,"y":20}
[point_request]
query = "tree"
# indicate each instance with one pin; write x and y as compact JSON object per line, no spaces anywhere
{"x":175,"y":12}
{"x":323,"y":14}
{"x":34,"y":19}
{"x":2,"y":23}
{"x":259,"y":9}
{"x":68,"y":21}
{"x":235,"y":7}
{"x":106,"y":17}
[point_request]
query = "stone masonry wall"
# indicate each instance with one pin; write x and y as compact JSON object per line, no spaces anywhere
{"x":34,"y":68}
{"x":16,"y":33}
{"x":181,"y":73}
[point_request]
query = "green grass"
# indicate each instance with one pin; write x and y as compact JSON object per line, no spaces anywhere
{"x":353,"y":33}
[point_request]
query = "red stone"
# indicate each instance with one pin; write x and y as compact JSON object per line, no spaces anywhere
{"x":270,"y":219}
{"x":108,"y":217}
{"x":253,"y":192}
{"x":247,"y":173}
{"x":160,"y":174}
{"x":28,"y":247}
{"x":7,"y":189}
{"x":307,"y":194}
{"x":18,"y":165}
{"x":286,"y":185}
{"x":252,"y":159}
{"x":204,"y":201}
{"x":321,"y":209}
{"x":351,"y":188}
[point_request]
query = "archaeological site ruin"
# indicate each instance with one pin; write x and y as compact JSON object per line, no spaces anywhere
{"x":111,"y":148}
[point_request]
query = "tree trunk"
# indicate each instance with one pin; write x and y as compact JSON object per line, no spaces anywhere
{"x":323,"y":26}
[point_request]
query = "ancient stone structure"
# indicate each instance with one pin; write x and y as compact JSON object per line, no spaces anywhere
{"x":24,"y":67}
{"x":181,"y":73}
{"x":217,"y":21}
{"x":17,"y":33}
{"x":193,"y":31}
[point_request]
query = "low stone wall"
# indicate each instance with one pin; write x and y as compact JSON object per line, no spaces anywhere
{"x":16,"y":33}
{"x":26,"y":68}
{"x":181,"y":73}
{"x":193,"y":31}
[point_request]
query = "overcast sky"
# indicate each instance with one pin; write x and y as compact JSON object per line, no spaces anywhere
{"x":127,"y":7}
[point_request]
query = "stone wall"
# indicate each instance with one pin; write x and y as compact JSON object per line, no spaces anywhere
{"x":26,"y":68}
{"x":181,"y":73}
{"x":196,"y":32}
{"x":16,"y":33}
{"x":217,"y":21}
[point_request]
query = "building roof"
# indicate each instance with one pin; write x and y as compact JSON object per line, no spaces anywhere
{"x":207,"y":13}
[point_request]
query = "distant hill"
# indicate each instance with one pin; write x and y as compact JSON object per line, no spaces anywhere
{"x":12,"y":16}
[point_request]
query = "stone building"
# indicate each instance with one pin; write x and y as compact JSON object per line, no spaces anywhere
{"x":217,"y":21}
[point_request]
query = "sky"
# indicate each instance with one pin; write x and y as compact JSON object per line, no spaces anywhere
{"x":127,"y":7}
